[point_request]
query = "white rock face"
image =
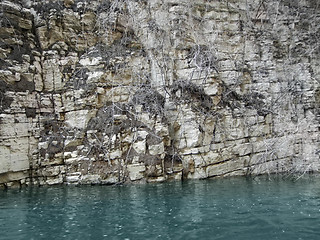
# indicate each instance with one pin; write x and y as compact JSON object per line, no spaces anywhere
{"x":90,"y":62}
{"x":136,"y":171}
{"x":174,"y":89}
{"x":91,"y":179}
{"x":156,"y":149}
{"x":78,"y":118}
{"x":5,"y":159}
{"x":140,"y":147}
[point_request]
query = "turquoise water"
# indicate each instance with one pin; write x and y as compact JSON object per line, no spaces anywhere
{"x":234,"y":208}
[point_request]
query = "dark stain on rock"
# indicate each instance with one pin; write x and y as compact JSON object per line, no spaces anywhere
{"x":30,"y":112}
{"x":5,"y":101}
{"x":23,"y":85}
{"x":192,"y":93}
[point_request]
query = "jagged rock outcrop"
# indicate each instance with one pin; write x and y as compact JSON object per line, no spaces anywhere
{"x":106,"y":92}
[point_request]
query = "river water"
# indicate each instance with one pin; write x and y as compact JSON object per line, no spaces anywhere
{"x":233,"y":208}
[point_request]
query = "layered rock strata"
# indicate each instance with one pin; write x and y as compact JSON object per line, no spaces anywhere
{"x":107,"y":92}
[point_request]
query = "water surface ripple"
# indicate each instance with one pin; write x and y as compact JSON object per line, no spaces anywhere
{"x":234,"y":208}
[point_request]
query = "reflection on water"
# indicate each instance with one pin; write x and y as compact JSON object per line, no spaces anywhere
{"x":236,"y":208}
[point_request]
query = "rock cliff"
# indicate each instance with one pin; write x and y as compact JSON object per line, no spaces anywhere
{"x":107,"y":92}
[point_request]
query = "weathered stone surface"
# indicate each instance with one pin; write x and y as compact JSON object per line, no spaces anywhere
{"x":136,"y":171}
{"x":156,"y":149}
{"x":98,"y":93}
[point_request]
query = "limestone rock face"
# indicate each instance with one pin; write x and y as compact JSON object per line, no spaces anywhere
{"x":108,"y":92}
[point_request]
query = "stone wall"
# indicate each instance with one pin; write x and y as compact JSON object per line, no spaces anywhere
{"x":107,"y":92}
